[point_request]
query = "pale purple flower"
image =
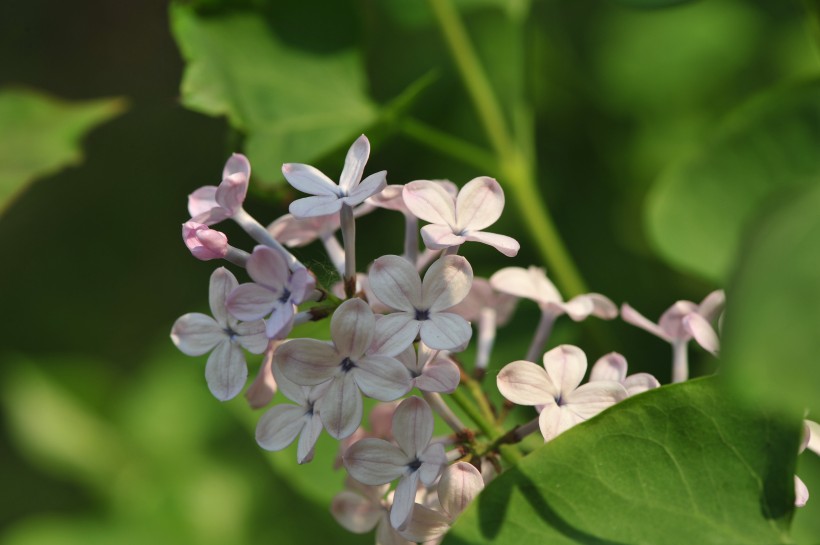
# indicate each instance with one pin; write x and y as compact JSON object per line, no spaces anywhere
{"x":811,"y":440}
{"x":348,"y":364}
{"x":361,"y":508}
{"x":195,"y":334}
{"x":482,"y":298}
{"x":203,"y":242}
{"x":533,"y":284}
{"x":431,"y":370}
{"x":328,"y":197}
{"x":274,"y":292}
{"x":613,"y":367}
{"x":421,"y":304}
{"x":556,"y":388}
{"x":412,"y":459}
{"x":211,"y":204}
{"x":392,"y":196}
{"x":452,"y":222}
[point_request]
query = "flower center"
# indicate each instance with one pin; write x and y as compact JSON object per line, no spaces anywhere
{"x":347,"y":364}
{"x":422,"y":315}
{"x":285,"y":296}
{"x":414,"y":465}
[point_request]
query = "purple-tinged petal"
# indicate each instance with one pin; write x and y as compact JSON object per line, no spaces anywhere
{"x":712,"y":305}
{"x":375,"y":461}
{"x":280,"y":425}
{"x":307,"y":362}
{"x":295,"y":392}
{"x":295,"y":232}
{"x":702,"y":331}
{"x":566,"y":366}
{"x":479,"y":204}
{"x":604,"y":308}
{"x":226,"y":371}
{"x":425,"y":525}
{"x":394,"y":333}
{"x":301,"y":284}
{"x":639,"y":383}
{"x":196,"y":333}
{"x":264,"y":386}
{"x":439,"y":237}
{"x":351,"y":328}
{"x":813,"y":443}
{"x":237,"y":164}
{"x":221,"y":285}
{"x":410,"y":360}
{"x":308,"y":438}
{"x":309,"y":207}
{"x":354,"y":512}
{"x":632,"y":316}
{"x":268,"y":268}
{"x":280,"y":321}
{"x":504,"y":244}
{"x":592,"y":398}
{"x":578,"y":308}
{"x":610,"y":366}
{"x":671,"y":321}
{"x":554,"y":419}
{"x":341,"y":407}
{"x":459,"y":485}
{"x":390,"y":198}
{"x":251,"y":301}
{"x":801,"y":493}
{"x":251,"y":336}
{"x":381,"y":377}
{"x":432,"y":460}
{"x":202,"y":200}
{"x":212,"y":216}
{"x":529,"y":283}
{"x":413,"y":425}
{"x":430,"y":202}
{"x":404,"y":499}
{"x":396,"y":283}
{"x":231,"y":192}
{"x":446,"y":283}
{"x":203,"y":242}
{"x":355,"y":161}
{"x":445,"y":331}
{"x":440,"y":375}
{"x":310,"y":180}
{"x":370,"y":186}
{"x":525,"y":383}
{"x":387,"y":535}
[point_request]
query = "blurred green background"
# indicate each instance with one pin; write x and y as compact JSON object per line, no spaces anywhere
{"x":109,"y":435}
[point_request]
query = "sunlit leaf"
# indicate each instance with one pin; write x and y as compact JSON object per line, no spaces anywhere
{"x":293,"y":106}
{"x":771,"y":335}
{"x":699,"y":207}
{"x":43,"y":134}
{"x":678,"y":465}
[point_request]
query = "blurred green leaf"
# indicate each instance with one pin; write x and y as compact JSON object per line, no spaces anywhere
{"x":651,"y":3}
{"x":42,"y":134}
{"x":418,"y":13}
{"x":699,"y":207}
{"x":292,"y":105}
{"x":681,"y":464}
{"x":771,"y":332}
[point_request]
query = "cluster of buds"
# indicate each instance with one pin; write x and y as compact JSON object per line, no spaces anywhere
{"x":395,"y":332}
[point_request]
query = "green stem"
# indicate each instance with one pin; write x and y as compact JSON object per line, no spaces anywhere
{"x":438,"y":140}
{"x":509,"y":453}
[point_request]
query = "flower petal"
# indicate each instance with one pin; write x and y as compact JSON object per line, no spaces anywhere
{"x":375,"y":461}
{"x":703,"y":333}
{"x":351,"y":328}
{"x":504,"y":244}
{"x":355,"y":161}
{"x":394,"y":333}
{"x":251,"y":335}
{"x":610,"y":366}
{"x":813,"y":443}
{"x":525,"y":383}
{"x":308,"y":438}
{"x":307,"y":362}
{"x":251,"y":301}
{"x":295,"y":232}
{"x":370,"y":186}
{"x":396,"y":283}
{"x":632,"y":316}
{"x":801,"y":493}
{"x":446,"y":283}
{"x":529,"y":283}
{"x":341,"y":407}
{"x":604,"y":308}
{"x":404,"y":499}
{"x":390,"y":198}
{"x":221,"y":285}
{"x":712,"y":305}
{"x":555,"y":420}
{"x":202,"y":200}
{"x":578,"y":308}
{"x":425,"y":525}
{"x":196,"y":333}
{"x":445,"y":331}
{"x":639,"y":383}
{"x":566,"y":365}
{"x":479,"y":204}
{"x":268,"y":268}
{"x":413,"y":425}
{"x":226,"y":371}
{"x":354,"y":512}
{"x":236,"y":164}
{"x":280,"y":425}
{"x":230,"y":194}
{"x":310,"y":180}
{"x":382,"y":377}
{"x":280,"y":321}
{"x":592,"y":398}
{"x":429,"y":201}
{"x":432,"y":460}
{"x":439,"y":237}
{"x":440,"y":375}
{"x":309,"y":207}
{"x":459,"y":485}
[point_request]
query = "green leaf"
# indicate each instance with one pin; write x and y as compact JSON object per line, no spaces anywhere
{"x":681,"y":464}
{"x":771,"y":341}
{"x":651,"y":3}
{"x":41,"y":135}
{"x":699,"y":207}
{"x":292,"y":105}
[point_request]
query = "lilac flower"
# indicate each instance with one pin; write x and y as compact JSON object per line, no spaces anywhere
{"x":211,"y":204}
{"x":275,"y":291}
{"x":360,"y":508}
{"x":195,"y":334}
{"x":375,"y":461}
{"x":328,"y":197}
{"x":556,"y":388}
{"x":421,"y":304}
{"x":454,"y":221}
{"x":203,"y":242}
{"x":613,"y":367}
{"x":431,"y":371}
{"x":811,"y":440}
{"x":680,"y":323}
{"x":348,"y":365}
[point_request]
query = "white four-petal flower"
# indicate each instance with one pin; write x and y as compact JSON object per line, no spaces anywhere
{"x":613,"y":366}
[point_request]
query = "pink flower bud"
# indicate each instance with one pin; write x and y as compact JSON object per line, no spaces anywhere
{"x":205,"y":243}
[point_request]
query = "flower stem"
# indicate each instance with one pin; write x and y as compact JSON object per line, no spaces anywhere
{"x":262,"y":236}
{"x":486,"y":339}
{"x":453,"y":146}
{"x":335,"y":252}
{"x":411,"y":238}
{"x":349,"y":238}
{"x":440,"y":407}
{"x":680,"y":361}
{"x":542,"y":334}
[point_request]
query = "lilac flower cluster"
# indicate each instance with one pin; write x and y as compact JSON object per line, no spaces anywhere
{"x":394,"y":330}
